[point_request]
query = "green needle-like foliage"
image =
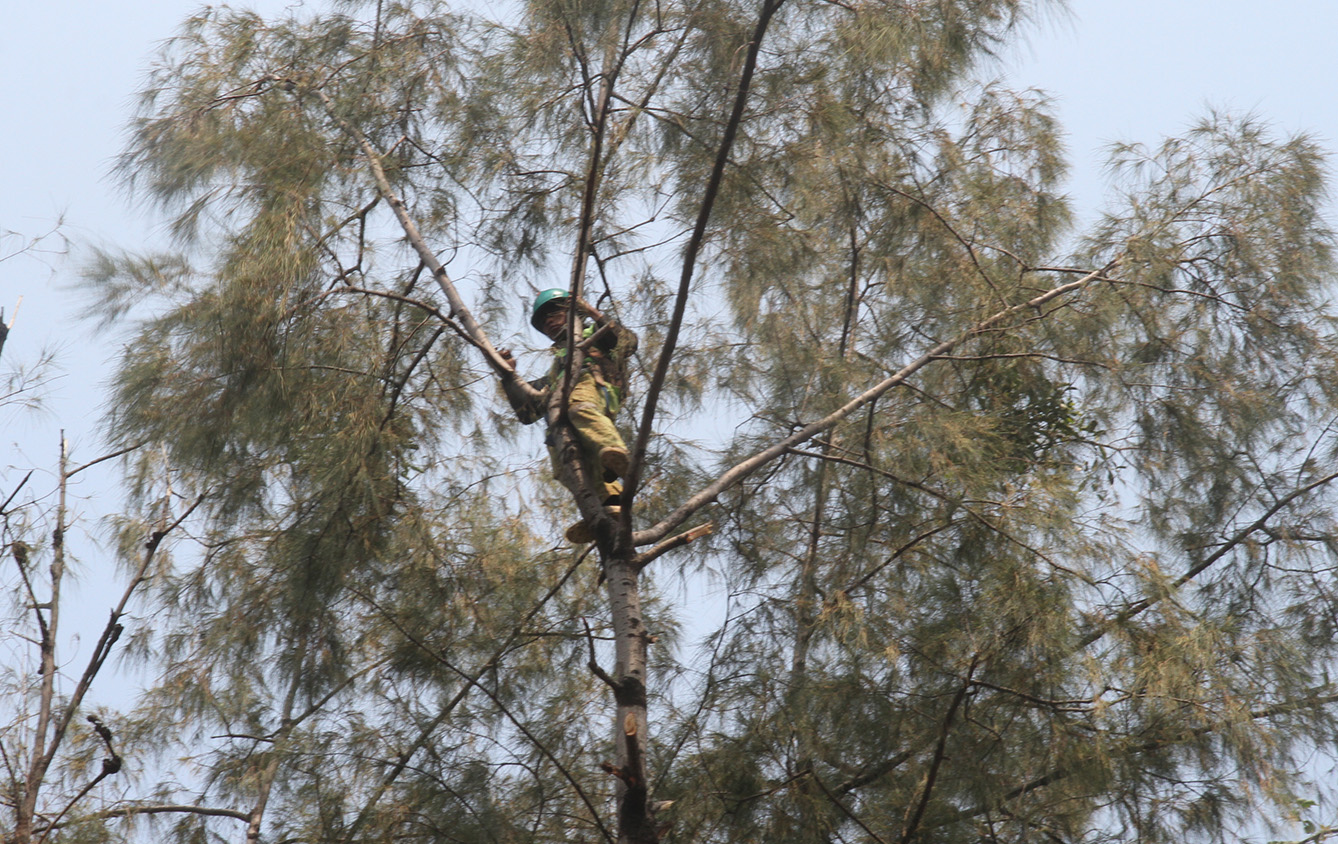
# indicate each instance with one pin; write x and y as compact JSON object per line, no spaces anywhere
{"x":1037,"y":544}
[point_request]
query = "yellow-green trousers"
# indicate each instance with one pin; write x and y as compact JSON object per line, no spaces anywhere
{"x":588,"y":411}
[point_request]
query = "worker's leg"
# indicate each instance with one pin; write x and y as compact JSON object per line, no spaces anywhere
{"x":592,"y":441}
{"x":609,"y":488}
{"x":598,"y":435}
{"x":598,"y":439}
{"x":581,"y":532}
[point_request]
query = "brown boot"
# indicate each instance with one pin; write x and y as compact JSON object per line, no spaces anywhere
{"x":615,"y":460}
{"x":583,"y":532}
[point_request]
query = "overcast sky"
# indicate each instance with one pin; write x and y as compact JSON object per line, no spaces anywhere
{"x":1128,"y":70}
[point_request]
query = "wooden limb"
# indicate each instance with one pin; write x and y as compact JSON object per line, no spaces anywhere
{"x":694,"y":245}
{"x":112,"y":631}
{"x":593,"y":177}
{"x":110,"y":456}
{"x":779,"y":448}
{"x":436,"y":313}
{"x":673,"y":542}
{"x":266,"y":776}
{"x":599,"y":332}
{"x":458,"y":309}
{"x":530,"y":736}
{"x":490,"y":662}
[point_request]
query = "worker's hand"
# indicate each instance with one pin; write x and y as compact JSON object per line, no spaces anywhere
{"x":589,"y":310}
{"x":505,"y":354}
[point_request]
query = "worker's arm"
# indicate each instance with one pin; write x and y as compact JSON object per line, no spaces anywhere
{"x":528,"y":400}
{"x":612,"y":335}
{"x":584,"y":307}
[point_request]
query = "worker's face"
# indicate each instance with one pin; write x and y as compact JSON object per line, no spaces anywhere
{"x":554,"y":322}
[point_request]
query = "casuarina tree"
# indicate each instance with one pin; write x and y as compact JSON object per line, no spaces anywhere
{"x":945,"y":519}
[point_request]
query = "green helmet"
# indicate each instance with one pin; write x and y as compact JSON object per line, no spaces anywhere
{"x":553,"y":295}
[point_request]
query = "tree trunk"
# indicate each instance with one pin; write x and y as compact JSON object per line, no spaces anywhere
{"x":622,"y":572}
{"x":635,"y":825}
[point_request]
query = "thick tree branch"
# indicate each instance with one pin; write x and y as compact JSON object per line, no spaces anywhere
{"x":415,"y":238}
{"x":745,"y":468}
{"x":694,"y":246}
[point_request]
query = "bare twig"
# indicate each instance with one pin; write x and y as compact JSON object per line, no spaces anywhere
{"x":594,"y":661}
{"x":106,"y":640}
{"x":163,"y":809}
{"x":4,"y":508}
{"x":111,"y":765}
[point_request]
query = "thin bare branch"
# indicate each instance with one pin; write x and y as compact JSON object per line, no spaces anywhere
{"x":157,"y":809}
{"x":472,"y":680}
{"x":4,"y":508}
{"x":845,"y":810}
{"x":402,"y":763}
{"x":1240,"y":537}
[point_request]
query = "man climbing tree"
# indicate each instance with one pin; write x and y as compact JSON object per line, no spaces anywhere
{"x":601,"y":358}
{"x":1026,"y":530}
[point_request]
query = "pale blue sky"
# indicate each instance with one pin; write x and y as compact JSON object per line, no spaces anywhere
{"x":1138,"y":70}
